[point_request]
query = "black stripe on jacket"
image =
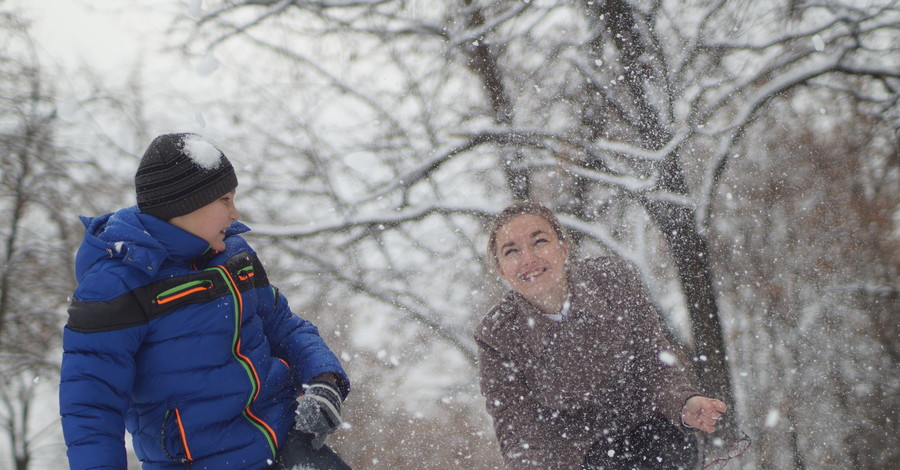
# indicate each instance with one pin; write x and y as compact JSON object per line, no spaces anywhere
{"x":143,"y":304}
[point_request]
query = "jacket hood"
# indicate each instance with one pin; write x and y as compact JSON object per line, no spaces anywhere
{"x":139,"y":240}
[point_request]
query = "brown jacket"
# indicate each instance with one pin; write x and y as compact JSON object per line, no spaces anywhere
{"x":553,"y":389}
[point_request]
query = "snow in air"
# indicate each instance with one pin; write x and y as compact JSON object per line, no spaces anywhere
{"x":207,"y":65}
{"x":667,"y":358}
{"x":772,"y":418}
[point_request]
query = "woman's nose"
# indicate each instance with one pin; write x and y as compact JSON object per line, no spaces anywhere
{"x":528,"y":254}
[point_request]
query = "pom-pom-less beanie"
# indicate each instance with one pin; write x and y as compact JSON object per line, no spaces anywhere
{"x":180,"y":173}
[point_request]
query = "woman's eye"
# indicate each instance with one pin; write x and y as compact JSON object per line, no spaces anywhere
{"x":509,"y":251}
{"x":540,"y":240}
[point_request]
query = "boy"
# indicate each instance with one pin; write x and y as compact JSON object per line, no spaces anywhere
{"x":176,"y":335}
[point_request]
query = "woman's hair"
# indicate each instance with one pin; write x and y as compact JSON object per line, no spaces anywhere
{"x":514,"y":210}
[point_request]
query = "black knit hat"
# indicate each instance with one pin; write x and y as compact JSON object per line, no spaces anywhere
{"x":180,"y":173}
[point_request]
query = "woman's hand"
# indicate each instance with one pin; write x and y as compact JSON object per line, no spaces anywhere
{"x":702,"y":413}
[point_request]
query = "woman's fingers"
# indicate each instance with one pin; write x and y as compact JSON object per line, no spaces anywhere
{"x":718,"y":406}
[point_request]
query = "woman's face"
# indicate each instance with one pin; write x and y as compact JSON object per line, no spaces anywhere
{"x":532,"y":259}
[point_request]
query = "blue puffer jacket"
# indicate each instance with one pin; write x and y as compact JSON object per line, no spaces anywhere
{"x":191,"y":351}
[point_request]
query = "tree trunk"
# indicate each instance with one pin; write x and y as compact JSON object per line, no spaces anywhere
{"x":691,"y":254}
{"x":484,"y":63}
{"x":676,"y":222}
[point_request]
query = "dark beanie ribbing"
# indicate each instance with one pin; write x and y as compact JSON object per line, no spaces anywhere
{"x":170,"y":183}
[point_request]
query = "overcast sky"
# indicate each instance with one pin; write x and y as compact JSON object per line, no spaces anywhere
{"x":113,"y":38}
{"x":97,"y":32}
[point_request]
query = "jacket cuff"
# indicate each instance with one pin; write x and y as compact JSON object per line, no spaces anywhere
{"x":681,"y":418}
{"x":338,"y":381}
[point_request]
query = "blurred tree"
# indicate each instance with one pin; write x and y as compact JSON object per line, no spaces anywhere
{"x":33,"y":274}
{"x":52,"y":169}
{"x":392,"y":129}
{"x":810,"y":252}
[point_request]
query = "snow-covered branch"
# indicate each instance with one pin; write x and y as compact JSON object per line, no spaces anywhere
{"x":379,"y":218}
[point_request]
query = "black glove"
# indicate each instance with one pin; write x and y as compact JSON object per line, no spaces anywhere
{"x":319,"y":411}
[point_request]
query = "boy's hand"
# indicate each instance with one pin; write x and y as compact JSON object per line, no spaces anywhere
{"x":319,"y":411}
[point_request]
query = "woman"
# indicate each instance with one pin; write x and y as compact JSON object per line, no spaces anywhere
{"x":573,"y":364}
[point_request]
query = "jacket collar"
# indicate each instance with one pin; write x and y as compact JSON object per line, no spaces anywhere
{"x":140,"y":240}
{"x":537,"y":330}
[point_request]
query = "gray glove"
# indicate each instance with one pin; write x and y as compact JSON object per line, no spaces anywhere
{"x":318,"y":411}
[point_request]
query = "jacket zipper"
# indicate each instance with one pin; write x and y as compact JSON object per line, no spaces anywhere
{"x":187,"y":450}
{"x":182,"y":290}
{"x":244,"y":361}
{"x":245,"y":273}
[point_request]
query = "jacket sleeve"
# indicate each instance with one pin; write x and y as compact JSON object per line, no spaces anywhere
{"x":298,"y":341}
{"x":96,"y":379}
{"x":659,"y":372}
{"x":514,"y":412}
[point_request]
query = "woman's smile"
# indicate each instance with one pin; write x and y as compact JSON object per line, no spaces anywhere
{"x":530,"y":275}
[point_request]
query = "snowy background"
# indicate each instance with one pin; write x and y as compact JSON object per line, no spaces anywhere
{"x":746,"y":160}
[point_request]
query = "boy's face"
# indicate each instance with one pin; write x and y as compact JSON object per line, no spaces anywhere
{"x":210,"y":221}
